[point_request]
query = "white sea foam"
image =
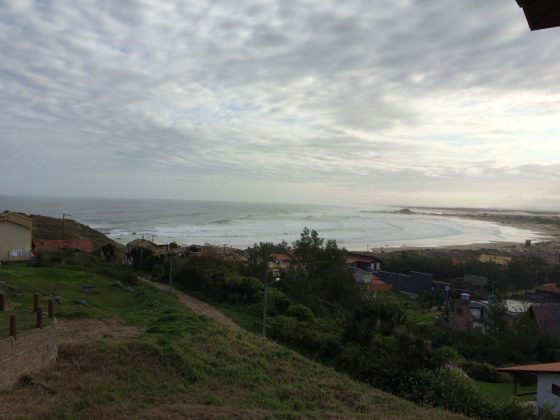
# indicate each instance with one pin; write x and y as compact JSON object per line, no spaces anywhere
{"x":243,"y":224}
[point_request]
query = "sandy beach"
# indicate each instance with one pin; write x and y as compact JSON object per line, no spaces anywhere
{"x":546,"y":224}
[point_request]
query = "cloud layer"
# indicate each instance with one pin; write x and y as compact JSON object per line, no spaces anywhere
{"x":341,"y":102}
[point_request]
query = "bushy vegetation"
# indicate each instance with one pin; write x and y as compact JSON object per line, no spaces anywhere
{"x":318,"y":309}
{"x":513,"y":276}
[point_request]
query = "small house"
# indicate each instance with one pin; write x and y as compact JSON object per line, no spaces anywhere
{"x":472,"y":315}
{"x":548,"y":383}
{"x":358,"y":261}
{"x":15,"y":236}
{"x":282,"y":261}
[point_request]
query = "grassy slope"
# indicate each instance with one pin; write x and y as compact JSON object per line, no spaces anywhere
{"x":177,"y":364}
{"x":51,"y":228}
{"x":503,"y":392}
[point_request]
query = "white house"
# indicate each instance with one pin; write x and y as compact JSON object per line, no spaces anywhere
{"x":15,"y":236}
{"x":548,"y":383}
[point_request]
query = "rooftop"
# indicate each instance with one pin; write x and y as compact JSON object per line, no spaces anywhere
{"x":18,"y":219}
{"x":541,"y":14}
{"x":542,"y":368}
{"x":547,"y":317}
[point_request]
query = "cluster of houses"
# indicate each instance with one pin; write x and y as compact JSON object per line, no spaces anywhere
{"x":465,"y":309}
{"x":224,"y":252}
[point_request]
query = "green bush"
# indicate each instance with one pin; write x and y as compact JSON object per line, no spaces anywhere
{"x":484,"y":372}
{"x":300,"y":312}
{"x":450,"y":390}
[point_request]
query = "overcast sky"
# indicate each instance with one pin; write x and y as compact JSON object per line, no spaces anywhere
{"x":347,"y":102}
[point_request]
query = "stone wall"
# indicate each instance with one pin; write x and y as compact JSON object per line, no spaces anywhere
{"x":31,"y":352}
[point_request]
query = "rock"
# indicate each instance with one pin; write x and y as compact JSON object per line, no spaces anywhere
{"x":405,"y":211}
{"x":59,"y":300}
{"x":117,"y":283}
{"x":2,"y":284}
{"x":130,"y":289}
{"x":89,"y":289}
{"x":11,"y":287}
{"x":80,"y":302}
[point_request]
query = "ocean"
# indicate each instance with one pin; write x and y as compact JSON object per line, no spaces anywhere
{"x":244,"y":224}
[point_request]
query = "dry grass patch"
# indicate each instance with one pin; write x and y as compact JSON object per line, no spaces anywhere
{"x":79,"y":331}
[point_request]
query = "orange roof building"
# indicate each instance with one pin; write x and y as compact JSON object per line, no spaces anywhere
{"x":548,"y":383}
{"x":549,"y":288}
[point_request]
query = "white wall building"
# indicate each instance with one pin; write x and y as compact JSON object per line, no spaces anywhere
{"x":548,"y":383}
{"x":15,"y":237}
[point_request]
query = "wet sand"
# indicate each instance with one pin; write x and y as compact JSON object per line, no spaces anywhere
{"x":546,"y":224}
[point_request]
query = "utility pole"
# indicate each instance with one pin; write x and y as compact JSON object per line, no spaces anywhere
{"x":170,"y":266}
{"x":264,"y":307}
{"x":63,"y":216}
{"x":141,"y":252}
{"x":265,"y":297}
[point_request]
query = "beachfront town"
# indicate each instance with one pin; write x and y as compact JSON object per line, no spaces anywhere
{"x":473,"y":304}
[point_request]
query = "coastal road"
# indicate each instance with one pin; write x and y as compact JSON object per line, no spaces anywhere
{"x":198,"y":307}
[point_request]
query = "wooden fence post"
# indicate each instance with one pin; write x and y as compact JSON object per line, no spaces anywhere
{"x":51,"y":308}
{"x":2,"y":301}
{"x":13,"y":326}
{"x":35,"y":302}
{"x":39,"y":323}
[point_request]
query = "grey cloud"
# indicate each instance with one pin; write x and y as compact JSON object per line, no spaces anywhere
{"x":298,"y":91}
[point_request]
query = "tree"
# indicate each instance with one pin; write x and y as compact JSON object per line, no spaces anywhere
{"x":321,"y":279}
{"x":108,"y":251}
{"x":259,"y":256}
{"x":307,"y":246}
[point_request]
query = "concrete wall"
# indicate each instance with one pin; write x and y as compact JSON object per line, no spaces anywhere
{"x":31,"y":352}
{"x":14,"y":236}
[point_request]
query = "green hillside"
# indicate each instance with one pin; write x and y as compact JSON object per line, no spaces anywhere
{"x":52,"y":228}
{"x":139,"y":353}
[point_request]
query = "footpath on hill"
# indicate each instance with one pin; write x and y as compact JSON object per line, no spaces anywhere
{"x":198,"y":307}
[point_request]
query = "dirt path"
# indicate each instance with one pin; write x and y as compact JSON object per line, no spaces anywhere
{"x":196,"y":305}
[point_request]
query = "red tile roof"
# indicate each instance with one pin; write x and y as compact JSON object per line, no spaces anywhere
{"x":84,"y":245}
{"x":547,"y":317}
{"x":550,"y":288}
{"x":542,"y":368}
{"x":379,"y":285}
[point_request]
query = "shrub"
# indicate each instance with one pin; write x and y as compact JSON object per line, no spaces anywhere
{"x":484,"y":372}
{"x":300,"y":312}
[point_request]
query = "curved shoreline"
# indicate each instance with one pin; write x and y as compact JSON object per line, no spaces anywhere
{"x":544,"y":224}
